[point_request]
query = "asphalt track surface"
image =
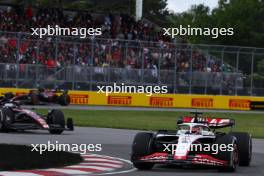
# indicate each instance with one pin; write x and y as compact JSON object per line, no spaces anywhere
{"x":117,"y":143}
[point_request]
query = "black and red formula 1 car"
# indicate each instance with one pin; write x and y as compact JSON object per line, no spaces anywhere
{"x":14,"y":117}
{"x":196,"y":142}
{"x":42,"y":96}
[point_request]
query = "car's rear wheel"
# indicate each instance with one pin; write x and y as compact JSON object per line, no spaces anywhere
{"x":6,"y":118}
{"x":2,"y":120}
{"x":142,"y":146}
{"x":56,"y":117}
{"x":230,"y":156}
{"x":64,"y":100}
{"x":9,"y":95}
{"x":244,"y":142}
{"x":34,"y":99}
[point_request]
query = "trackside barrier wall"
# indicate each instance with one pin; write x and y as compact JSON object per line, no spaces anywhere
{"x":156,"y":100}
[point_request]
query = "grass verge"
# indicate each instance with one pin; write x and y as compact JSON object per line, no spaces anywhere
{"x":154,"y":120}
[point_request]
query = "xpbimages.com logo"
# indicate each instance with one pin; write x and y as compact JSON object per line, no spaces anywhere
{"x":214,"y":148}
{"x":50,"y":147}
{"x":196,"y":31}
{"x":60,"y":31}
{"x":149,"y":90}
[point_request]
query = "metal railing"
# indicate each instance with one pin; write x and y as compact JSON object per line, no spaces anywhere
{"x":87,"y":78}
{"x":82,"y":64}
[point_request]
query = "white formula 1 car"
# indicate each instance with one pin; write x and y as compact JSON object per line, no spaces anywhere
{"x":195,"y":142}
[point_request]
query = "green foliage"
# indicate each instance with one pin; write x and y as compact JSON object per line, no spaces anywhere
{"x":197,"y":16}
{"x":258,"y":80}
{"x":156,"y":11}
{"x":82,"y":5}
{"x":245,"y":16}
{"x":260,"y":67}
{"x":46,"y":3}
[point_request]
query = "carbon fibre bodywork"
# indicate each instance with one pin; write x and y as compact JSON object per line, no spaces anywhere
{"x":195,"y":142}
{"x":14,"y":117}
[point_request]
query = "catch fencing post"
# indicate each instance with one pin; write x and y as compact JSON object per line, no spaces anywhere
{"x":252,"y":72}
{"x":17,"y":58}
{"x":160,"y":57}
{"x":175,"y":72}
{"x":56,"y":48}
{"x":73,"y":67}
{"x":237,"y":65}
{"x":206,"y":73}
{"x":142,"y":65}
{"x":91,"y":67}
{"x":191,"y":71}
{"x":37,"y":68}
{"x":222,"y":72}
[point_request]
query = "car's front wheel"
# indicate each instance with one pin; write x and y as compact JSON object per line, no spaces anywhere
{"x":2,"y":120}
{"x":142,"y":147}
{"x":64,"y":100}
{"x":6,"y":118}
{"x":56,"y":117}
{"x":244,"y":142}
{"x":230,"y":156}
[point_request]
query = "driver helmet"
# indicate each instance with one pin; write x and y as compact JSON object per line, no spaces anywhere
{"x":41,"y":89}
{"x":196,"y":130}
{"x":9,"y":105}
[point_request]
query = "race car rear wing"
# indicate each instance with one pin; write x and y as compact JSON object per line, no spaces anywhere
{"x":211,"y":122}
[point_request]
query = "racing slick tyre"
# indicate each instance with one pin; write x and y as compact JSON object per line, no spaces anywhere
{"x":9,"y":95}
{"x":244,"y":142}
{"x":142,"y":146}
{"x":64,"y":100}
{"x":56,"y":117}
{"x":230,"y":156}
{"x":34,"y":99}
{"x":6,"y":118}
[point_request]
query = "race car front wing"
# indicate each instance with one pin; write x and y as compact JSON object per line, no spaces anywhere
{"x":35,"y":126}
{"x":196,"y":159}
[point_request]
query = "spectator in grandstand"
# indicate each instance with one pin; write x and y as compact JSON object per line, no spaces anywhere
{"x":60,"y":51}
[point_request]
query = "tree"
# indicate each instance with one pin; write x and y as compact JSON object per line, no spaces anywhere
{"x":156,"y":11}
{"x":260,"y":67}
{"x":245,"y":16}
{"x":198,"y":16}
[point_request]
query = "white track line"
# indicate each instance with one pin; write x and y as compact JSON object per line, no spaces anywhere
{"x":18,"y":174}
{"x":68,"y":171}
{"x":91,"y":167}
{"x":103,"y":164}
{"x":117,"y":172}
{"x":102,"y":160}
{"x":98,"y":156}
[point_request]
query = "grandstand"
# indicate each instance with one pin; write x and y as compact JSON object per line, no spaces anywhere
{"x":128,"y":51}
